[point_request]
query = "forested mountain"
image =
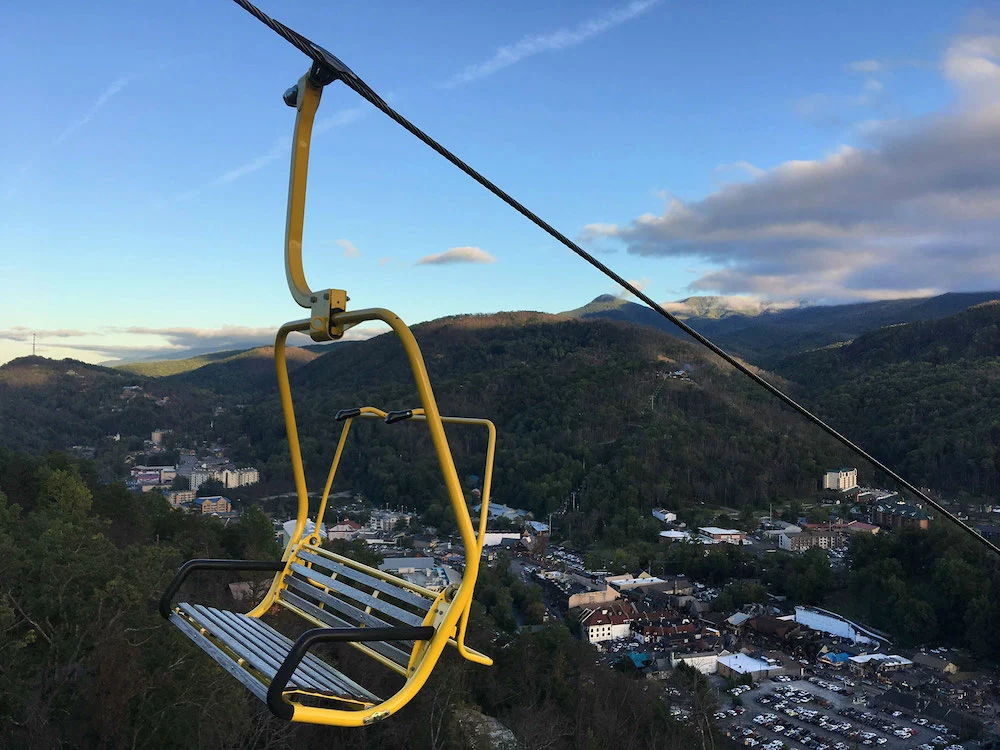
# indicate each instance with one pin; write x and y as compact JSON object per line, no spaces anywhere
{"x":47,"y":404}
{"x":925,"y":396}
{"x":244,"y":373}
{"x":580,"y":405}
{"x":765,"y":335}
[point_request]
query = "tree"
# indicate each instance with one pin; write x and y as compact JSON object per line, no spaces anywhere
{"x":180,"y":483}
{"x":211,"y":488}
{"x":67,"y":491}
{"x":257,"y":536}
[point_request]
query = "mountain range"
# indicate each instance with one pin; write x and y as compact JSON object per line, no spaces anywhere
{"x":765,"y":334}
{"x":583,"y":399}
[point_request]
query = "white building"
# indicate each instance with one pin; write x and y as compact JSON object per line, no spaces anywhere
{"x":716,"y":535}
{"x":840,"y":479}
{"x":239,"y":477}
{"x":675,"y":536}
{"x":833,"y":624}
{"x":740,"y":665}
{"x":345,"y":529}
{"x":706,"y":662}
{"x":664,"y":515}
{"x":496,"y":538}
{"x":608,"y":623}
{"x":230,"y":478}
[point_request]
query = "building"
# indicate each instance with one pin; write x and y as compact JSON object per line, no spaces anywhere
{"x":706,"y":662}
{"x":230,"y":478}
{"x":716,"y":535}
{"x":592,"y":599}
{"x":626,"y":582}
{"x":879,"y":663}
{"x":214,"y":504}
{"x":497,"y":538}
{"x":675,"y":536}
{"x":499,"y":510}
{"x":741,"y":666}
{"x":151,"y":476}
{"x":900,"y":513}
{"x":664,"y":515}
{"x":833,"y":624}
{"x":840,"y":479}
{"x":934,"y":663}
{"x":803,"y":540}
{"x":608,"y":623}
{"x":345,"y":529}
{"x":401,"y":565}
{"x":773,"y":627}
{"x":177,"y":498}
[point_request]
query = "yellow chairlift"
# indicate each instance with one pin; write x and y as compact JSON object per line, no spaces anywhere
{"x":398,"y":624}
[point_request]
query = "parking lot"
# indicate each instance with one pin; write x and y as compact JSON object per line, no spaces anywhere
{"x":818,"y":715}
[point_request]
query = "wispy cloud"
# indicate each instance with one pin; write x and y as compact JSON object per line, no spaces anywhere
{"x":109,"y":93}
{"x":535,"y":44}
{"x":457,"y":255}
{"x":279,"y":150}
{"x":350,"y":251}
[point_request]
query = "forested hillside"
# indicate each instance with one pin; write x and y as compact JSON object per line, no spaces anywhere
{"x":47,"y":404}
{"x":86,"y":661}
{"x":925,"y":396}
{"x":579,"y":405}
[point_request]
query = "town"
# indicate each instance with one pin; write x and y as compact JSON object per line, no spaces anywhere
{"x":783,"y":675}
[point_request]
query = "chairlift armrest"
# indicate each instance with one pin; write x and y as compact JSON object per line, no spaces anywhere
{"x":284,"y":710}
{"x":203,"y":564}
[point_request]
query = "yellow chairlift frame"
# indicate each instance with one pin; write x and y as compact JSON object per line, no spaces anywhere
{"x":447,"y":612}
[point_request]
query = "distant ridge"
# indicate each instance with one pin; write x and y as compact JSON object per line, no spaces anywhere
{"x":765,"y":334}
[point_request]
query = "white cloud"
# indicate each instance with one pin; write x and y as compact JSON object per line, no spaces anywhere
{"x":457,"y":255}
{"x":109,"y":93}
{"x":914,"y":211}
{"x":281,"y":149}
{"x":350,"y":251}
{"x":535,"y":44}
{"x":867,"y":66}
{"x":971,"y":64}
{"x":143,"y":342}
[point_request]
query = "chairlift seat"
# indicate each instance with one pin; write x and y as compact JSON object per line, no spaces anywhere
{"x":386,"y":617}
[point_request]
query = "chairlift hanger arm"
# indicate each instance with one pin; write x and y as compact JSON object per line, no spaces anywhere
{"x":334,"y":69}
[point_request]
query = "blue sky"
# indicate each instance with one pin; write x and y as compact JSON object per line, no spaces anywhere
{"x":773,"y":150}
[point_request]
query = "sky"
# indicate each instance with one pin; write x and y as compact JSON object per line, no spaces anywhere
{"x":786,"y":152}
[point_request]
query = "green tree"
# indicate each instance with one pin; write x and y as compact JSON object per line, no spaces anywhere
{"x":257,"y":536}
{"x":67,"y":491}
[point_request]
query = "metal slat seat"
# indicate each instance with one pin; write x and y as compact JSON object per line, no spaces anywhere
{"x":253,"y":652}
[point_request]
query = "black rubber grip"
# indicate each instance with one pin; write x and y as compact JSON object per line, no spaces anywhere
{"x":192,"y":565}
{"x":398,"y":416}
{"x":347,"y":414}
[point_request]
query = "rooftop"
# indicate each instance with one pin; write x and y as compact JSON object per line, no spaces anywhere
{"x":398,"y":563}
{"x":717,"y":530}
{"x":743,"y":663}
